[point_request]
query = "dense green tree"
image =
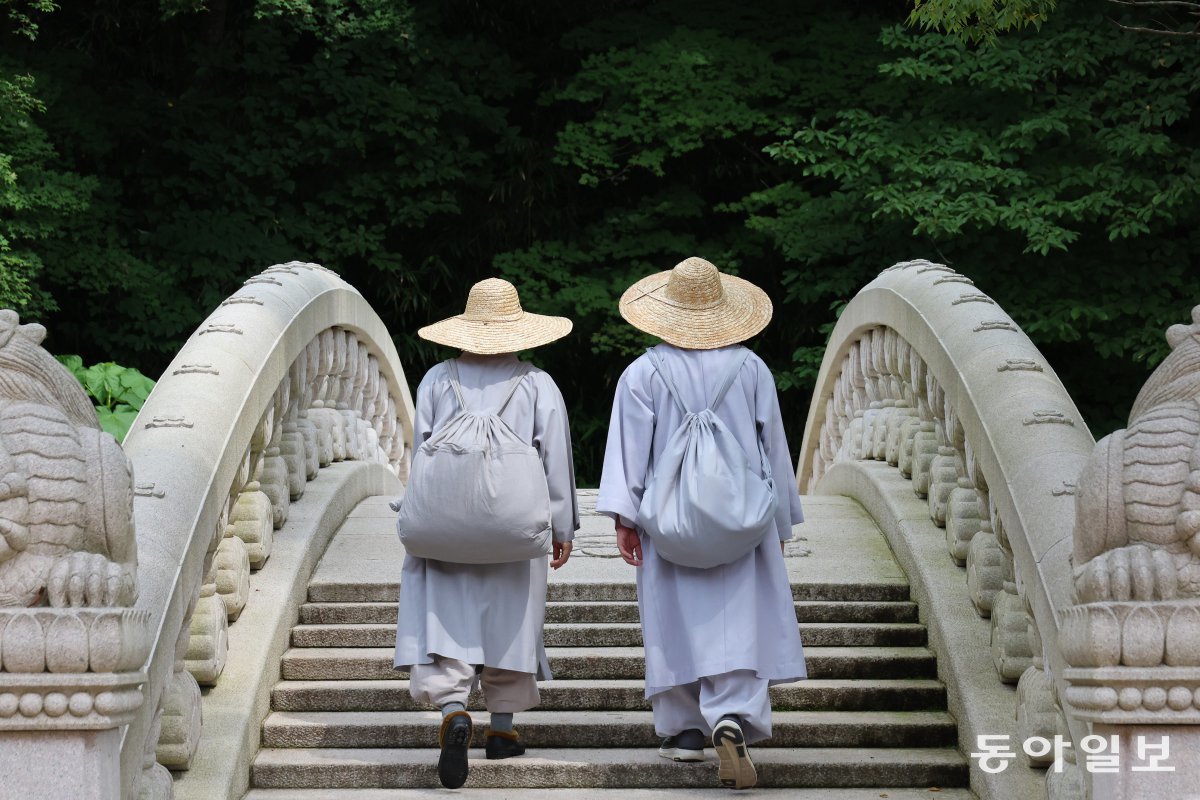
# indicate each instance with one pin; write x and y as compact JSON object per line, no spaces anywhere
{"x":574,"y":148}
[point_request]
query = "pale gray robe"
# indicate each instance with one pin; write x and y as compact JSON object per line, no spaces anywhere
{"x":703,"y":622}
{"x":489,"y":614}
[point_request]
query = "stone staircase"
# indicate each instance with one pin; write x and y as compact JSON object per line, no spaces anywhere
{"x":871,"y":716}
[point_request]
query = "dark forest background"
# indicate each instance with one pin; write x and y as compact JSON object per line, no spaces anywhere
{"x":155,"y":154}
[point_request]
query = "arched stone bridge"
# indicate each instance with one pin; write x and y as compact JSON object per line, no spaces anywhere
{"x":973,"y":565}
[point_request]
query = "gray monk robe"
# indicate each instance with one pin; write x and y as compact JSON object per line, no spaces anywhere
{"x":488,"y":614}
{"x":737,"y":616}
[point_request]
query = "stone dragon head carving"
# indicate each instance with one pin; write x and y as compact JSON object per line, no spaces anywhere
{"x":1137,"y":524}
{"x":66,"y":487}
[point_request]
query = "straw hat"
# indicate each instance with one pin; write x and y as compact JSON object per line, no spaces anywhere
{"x":494,"y":322}
{"x":696,"y":307}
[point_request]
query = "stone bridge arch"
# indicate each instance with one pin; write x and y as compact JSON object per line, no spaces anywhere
{"x":929,"y":378}
{"x":291,"y":373}
{"x":933,"y":411}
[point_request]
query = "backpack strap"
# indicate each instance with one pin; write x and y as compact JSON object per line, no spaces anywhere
{"x":523,"y":369}
{"x":510,"y":390}
{"x":730,"y":377}
{"x":666,"y":376}
{"x":455,"y":383}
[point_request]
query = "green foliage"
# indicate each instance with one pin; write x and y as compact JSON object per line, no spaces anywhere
{"x":117,"y":392}
{"x":1088,"y":145}
{"x":639,"y":121}
{"x":167,"y":151}
{"x":979,"y":20}
{"x":23,"y":15}
{"x":1078,"y":141}
{"x":37,"y":199}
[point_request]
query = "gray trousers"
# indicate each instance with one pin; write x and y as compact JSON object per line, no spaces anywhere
{"x":701,"y":704}
{"x":448,"y":680}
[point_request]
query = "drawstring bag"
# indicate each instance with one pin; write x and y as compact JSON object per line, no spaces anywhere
{"x":477,"y":493}
{"x":705,"y":504}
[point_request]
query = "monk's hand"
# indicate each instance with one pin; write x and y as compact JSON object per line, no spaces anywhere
{"x":783,"y":546}
{"x":562,"y":551}
{"x":629,"y":545}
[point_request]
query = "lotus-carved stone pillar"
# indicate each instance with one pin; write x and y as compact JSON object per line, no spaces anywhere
{"x":71,"y":649}
{"x":1133,"y":638}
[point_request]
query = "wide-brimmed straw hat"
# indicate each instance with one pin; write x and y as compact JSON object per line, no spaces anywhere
{"x":697,"y":307}
{"x":494,"y":322}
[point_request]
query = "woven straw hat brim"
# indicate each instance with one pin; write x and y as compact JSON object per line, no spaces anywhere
{"x":499,"y":336}
{"x":744,"y":312}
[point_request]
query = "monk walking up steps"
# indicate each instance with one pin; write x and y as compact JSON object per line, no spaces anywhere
{"x":698,"y":478}
{"x":491,"y":495}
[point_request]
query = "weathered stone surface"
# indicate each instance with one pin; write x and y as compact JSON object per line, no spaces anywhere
{"x":1012,"y":652}
{"x":66,"y":488}
{"x":232,"y":577}
{"x":984,"y":394}
{"x":262,"y":349}
{"x":251,"y":520}
{"x":181,"y":720}
{"x":590,"y":634}
{"x":588,"y":793}
{"x":845,"y":694}
{"x":43,"y":765}
{"x":70,"y":673}
{"x":332,"y":768}
{"x":358,"y":663}
{"x":208,"y":644}
{"x":986,"y":569}
{"x":606,"y":728}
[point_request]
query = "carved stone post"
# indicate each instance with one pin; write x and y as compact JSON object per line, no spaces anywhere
{"x":71,"y":651}
{"x":1133,"y":639}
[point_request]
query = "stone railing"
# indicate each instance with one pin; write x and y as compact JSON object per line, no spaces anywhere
{"x":927,"y":373}
{"x":292,"y":372}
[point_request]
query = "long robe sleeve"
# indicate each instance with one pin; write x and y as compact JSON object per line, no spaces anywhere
{"x":769,"y":422}
{"x":552,"y":438}
{"x":627,"y":452}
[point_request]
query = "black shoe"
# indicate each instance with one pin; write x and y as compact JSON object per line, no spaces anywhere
{"x":684,"y":746}
{"x":737,"y":770}
{"x":503,"y":744}
{"x":454,"y":738}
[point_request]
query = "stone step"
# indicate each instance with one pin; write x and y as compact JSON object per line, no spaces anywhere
{"x":547,"y":729}
{"x":624,"y":634}
{"x":891,"y":793}
{"x":618,"y":695}
{"x":373,"y":663}
{"x":333,"y":768}
{"x":344,"y":591}
{"x":618,"y":611}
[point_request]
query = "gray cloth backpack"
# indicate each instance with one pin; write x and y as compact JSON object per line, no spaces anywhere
{"x":705,"y":504}
{"x":477,"y":492}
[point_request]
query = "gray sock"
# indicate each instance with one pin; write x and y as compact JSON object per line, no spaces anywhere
{"x":501,"y":723}
{"x":450,"y":708}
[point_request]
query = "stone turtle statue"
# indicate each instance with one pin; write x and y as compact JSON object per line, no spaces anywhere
{"x":66,"y":487}
{"x":1137,"y":525}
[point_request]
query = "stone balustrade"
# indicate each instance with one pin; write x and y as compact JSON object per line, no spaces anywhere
{"x":293,"y":372}
{"x":927,"y":373}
